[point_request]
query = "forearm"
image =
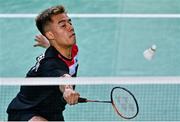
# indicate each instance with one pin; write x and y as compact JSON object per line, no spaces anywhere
{"x":70,"y":96}
{"x":62,"y":88}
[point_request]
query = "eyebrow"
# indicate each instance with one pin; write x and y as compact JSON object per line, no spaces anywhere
{"x":64,"y":20}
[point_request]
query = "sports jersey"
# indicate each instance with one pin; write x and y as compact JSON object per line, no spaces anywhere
{"x":45,"y":101}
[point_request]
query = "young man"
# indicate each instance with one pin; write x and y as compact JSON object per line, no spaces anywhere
{"x":46,"y":103}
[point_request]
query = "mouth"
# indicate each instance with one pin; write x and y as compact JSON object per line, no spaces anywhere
{"x":72,"y":35}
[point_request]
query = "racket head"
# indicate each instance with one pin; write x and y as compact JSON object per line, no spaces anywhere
{"x":124,"y":103}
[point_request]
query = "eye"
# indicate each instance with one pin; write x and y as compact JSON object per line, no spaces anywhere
{"x":63,"y":25}
{"x":70,"y":22}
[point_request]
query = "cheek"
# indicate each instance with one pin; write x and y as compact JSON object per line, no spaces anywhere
{"x":61,"y":33}
{"x":64,"y":35}
{"x":57,"y":32}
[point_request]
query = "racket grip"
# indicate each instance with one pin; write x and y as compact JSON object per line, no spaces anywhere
{"x":82,"y":100}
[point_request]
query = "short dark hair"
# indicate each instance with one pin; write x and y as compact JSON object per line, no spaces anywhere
{"x":44,"y":17}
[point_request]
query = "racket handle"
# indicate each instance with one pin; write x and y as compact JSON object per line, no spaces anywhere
{"x":82,"y":100}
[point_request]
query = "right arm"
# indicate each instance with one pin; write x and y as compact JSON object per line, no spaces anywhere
{"x":70,"y":96}
{"x":60,"y":70}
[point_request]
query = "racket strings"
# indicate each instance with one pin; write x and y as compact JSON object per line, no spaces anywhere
{"x":124,"y":103}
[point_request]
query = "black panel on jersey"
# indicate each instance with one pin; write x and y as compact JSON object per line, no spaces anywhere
{"x":44,"y":99}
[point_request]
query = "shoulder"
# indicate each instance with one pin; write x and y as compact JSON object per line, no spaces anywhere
{"x":51,"y":52}
{"x":52,"y":63}
{"x":49,"y":65}
{"x":51,"y":59}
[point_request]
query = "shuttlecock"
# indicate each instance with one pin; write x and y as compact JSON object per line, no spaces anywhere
{"x":150,"y":52}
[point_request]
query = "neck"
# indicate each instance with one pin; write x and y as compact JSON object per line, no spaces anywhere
{"x":66,"y":52}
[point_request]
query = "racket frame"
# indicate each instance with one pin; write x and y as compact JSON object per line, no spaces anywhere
{"x":115,"y":108}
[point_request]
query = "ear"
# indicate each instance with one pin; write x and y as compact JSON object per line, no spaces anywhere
{"x":49,"y":35}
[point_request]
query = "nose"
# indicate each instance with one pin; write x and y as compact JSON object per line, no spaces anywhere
{"x":70,"y":27}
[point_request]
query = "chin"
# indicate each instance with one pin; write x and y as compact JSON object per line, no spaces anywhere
{"x":73,"y":41}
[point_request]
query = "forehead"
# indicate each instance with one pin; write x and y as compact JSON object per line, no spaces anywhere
{"x":59,"y":17}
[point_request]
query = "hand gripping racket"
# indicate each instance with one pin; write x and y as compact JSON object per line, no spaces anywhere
{"x":123,"y":102}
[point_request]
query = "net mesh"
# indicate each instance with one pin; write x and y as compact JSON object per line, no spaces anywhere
{"x":158,"y":101}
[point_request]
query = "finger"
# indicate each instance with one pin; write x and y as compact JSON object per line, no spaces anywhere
{"x":35,"y":45}
{"x":71,"y":99}
{"x":78,"y":94}
{"x":75,"y":98}
{"x":37,"y":40}
{"x":42,"y":37}
{"x":38,"y":36}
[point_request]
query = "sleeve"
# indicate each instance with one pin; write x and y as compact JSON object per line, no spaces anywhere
{"x":30,"y":96}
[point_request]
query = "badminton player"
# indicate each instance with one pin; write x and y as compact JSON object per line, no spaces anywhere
{"x":47,"y":103}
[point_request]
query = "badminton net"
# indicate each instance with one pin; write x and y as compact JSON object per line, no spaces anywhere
{"x":158,"y":98}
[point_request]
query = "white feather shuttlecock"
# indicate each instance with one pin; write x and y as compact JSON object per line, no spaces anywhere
{"x":149,"y":53}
